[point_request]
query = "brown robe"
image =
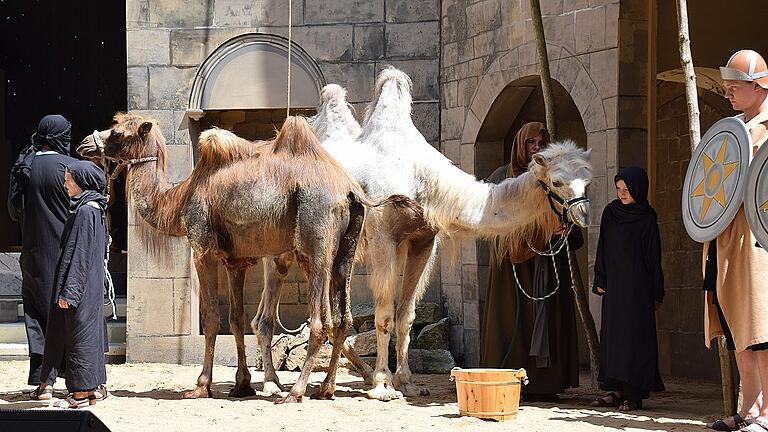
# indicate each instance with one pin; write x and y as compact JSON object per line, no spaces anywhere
{"x":504,"y":299}
{"x":742,"y":285}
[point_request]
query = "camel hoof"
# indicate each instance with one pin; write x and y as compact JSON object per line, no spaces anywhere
{"x":243,"y":390}
{"x":289,"y":398}
{"x":325,"y":393}
{"x":384,"y":393}
{"x":412,"y":390}
{"x":198,"y":393}
{"x":271,"y":388}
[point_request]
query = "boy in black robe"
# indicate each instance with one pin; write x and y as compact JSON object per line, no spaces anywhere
{"x":37,"y":198}
{"x":79,"y":283}
{"x":629,"y":276}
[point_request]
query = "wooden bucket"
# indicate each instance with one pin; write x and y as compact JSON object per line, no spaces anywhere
{"x":489,"y":393}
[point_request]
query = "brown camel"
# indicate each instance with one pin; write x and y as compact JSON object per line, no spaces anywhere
{"x":244,"y":201}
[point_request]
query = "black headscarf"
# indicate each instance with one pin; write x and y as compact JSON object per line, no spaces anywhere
{"x":91,"y":180}
{"x":636,"y":180}
{"x":53,"y":131}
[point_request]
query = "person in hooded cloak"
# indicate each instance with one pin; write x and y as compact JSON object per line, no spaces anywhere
{"x":517,"y":332}
{"x":629,"y":277}
{"x":37,"y":198}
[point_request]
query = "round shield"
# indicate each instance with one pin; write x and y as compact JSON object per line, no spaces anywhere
{"x":716,"y":178}
{"x":756,"y":196}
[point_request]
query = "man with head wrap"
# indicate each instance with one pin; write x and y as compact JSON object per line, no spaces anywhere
{"x":539,"y":336}
{"x":37,"y":195}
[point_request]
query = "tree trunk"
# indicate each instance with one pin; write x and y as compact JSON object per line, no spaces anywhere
{"x":691,"y":96}
{"x":582,"y":304}
{"x":686,"y":61}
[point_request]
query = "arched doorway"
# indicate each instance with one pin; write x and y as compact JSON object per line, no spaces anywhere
{"x":242,"y":87}
{"x":520,"y":102}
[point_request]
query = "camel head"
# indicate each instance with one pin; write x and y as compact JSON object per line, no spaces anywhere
{"x":564,"y":169}
{"x":130,"y":137}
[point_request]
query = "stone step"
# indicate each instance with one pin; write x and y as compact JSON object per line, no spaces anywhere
{"x":120,"y":305}
{"x":15,"y":333}
{"x":19,"y":351}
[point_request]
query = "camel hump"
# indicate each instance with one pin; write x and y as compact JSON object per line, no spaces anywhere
{"x":333,"y":92}
{"x":393,"y":75}
{"x":297,"y":138}
{"x":220,"y":147}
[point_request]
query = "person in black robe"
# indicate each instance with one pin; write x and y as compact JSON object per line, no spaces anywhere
{"x":37,"y":198}
{"x":79,"y":284}
{"x":629,"y":277}
{"x":517,"y":332}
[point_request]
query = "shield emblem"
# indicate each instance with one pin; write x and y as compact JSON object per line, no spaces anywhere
{"x":756,"y":196}
{"x":716,"y":179}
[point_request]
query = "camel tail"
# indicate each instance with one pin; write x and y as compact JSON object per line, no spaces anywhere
{"x":400,"y":201}
{"x":220,"y":147}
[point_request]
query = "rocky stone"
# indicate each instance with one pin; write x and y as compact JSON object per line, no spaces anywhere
{"x":298,"y":355}
{"x":427,"y":313}
{"x":280,"y":350}
{"x":361,"y":313}
{"x":434,"y":336}
{"x":364,"y":343}
{"x":430,"y":361}
{"x":366,"y":326}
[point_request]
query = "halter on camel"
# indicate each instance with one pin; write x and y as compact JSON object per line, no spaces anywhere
{"x":121,"y":163}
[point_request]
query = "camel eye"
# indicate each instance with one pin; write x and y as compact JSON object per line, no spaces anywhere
{"x":557,"y":183}
{"x":115,"y":134}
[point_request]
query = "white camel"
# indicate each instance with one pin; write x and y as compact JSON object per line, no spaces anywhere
{"x":390,"y":156}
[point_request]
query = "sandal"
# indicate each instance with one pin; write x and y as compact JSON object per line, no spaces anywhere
{"x":101,"y":392}
{"x":628,"y":405}
{"x":603,"y":401}
{"x":73,"y":403}
{"x":756,"y":424}
{"x":721,"y":425}
{"x":37,"y":394}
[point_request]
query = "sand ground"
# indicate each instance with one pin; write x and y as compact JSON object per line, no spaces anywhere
{"x":147,"y":397}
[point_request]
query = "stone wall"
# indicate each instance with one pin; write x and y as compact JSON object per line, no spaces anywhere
{"x":489,"y":44}
{"x":167,"y":40}
{"x":681,"y":318}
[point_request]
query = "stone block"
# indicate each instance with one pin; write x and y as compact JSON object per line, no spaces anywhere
{"x":190,"y":350}
{"x":560,"y":30}
{"x":182,"y":312}
{"x":450,"y":94}
{"x":426,"y":118}
{"x":471,"y":348}
{"x":633,"y":112}
{"x":412,"y":40}
{"x":612,"y":25}
{"x":483,"y":16}
{"x":412,"y":10}
{"x":574,"y":5}
{"x":590,"y":30}
{"x":173,"y":262}
{"x":297,"y":356}
{"x":361,"y":292}
{"x":164,"y":119}
{"x":468,"y":158}
{"x":456,"y":340}
{"x":150,"y":307}
{"x":368,"y":42}
{"x":254,"y":13}
{"x":148,"y":47}
{"x":169,"y":87}
{"x":362,"y":312}
{"x":180,"y":13}
{"x":427,"y":313}
{"x":138,"y":88}
{"x":343,"y":11}
{"x":9,"y":311}
{"x":469,"y":282}
{"x":452,"y":123}
{"x":179,"y":162}
{"x":326,"y":43}
{"x":466,"y":89}
{"x":367,"y":326}
{"x":484,"y":44}
{"x":454,"y":25}
{"x":434,"y":336}
{"x":190,"y":47}
{"x":453,"y":304}
{"x":136,"y":14}
{"x":357,"y":78}
{"x":424,"y":74}
{"x":471,"y":315}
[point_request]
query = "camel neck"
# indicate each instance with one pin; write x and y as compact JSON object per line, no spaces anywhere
{"x":513,"y":204}
{"x":155,"y":200}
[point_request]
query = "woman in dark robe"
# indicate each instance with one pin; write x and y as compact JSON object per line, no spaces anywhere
{"x":539,"y":336}
{"x":37,"y":198}
{"x":628,"y":275}
{"x":79,"y":284}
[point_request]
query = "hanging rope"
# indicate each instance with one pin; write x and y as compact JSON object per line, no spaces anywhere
{"x":288,"y":103}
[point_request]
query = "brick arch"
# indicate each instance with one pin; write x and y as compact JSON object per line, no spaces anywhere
{"x":565,"y":68}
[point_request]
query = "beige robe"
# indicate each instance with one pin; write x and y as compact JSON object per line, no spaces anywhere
{"x":742,"y":272}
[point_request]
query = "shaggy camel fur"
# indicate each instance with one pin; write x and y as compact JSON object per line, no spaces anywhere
{"x":244,"y":201}
{"x":391,"y":156}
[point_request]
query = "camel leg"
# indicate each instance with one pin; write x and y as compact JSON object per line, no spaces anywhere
{"x":263,"y":324}
{"x":236,"y":276}
{"x":415,"y":278}
{"x":384,"y":275}
{"x":340,"y":290}
{"x":209,"y":312}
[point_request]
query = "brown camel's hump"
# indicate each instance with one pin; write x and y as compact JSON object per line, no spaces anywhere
{"x":220,"y":147}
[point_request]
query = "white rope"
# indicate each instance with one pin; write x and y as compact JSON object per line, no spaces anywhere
{"x":288,"y":103}
{"x":557,"y":274}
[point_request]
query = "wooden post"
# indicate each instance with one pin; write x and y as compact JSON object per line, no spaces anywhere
{"x":582,"y":304}
{"x":691,"y":96}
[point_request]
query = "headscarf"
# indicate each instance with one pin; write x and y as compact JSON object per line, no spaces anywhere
{"x":53,"y":131}
{"x":636,"y":180}
{"x":91,"y":180}
{"x":518,"y":163}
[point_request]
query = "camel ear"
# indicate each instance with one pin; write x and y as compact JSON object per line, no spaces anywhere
{"x":588,"y":154}
{"x":539,"y":159}
{"x":144,"y":129}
